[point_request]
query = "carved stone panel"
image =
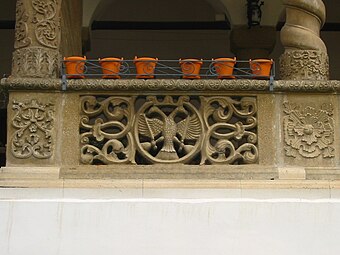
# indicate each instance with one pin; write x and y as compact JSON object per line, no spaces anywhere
{"x":231,"y":130}
{"x":33,"y":123}
{"x":168,"y":130}
{"x":106,"y":130}
{"x":308,"y":130}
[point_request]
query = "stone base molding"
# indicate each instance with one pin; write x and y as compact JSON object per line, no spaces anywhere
{"x":304,"y":65}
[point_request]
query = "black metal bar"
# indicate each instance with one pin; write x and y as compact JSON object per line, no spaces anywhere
{"x":7,"y":24}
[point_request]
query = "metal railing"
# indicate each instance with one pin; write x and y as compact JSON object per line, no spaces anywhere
{"x":168,"y":69}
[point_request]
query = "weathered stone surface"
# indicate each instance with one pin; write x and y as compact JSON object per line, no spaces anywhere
{"x":37,"y":39}
{"x":305,"y":56}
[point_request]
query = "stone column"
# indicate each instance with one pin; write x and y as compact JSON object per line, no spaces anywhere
{"x":37,"y":39}
{"x":71,"y":27}
{"x":250,"y":43}
{"x":305,"y":56}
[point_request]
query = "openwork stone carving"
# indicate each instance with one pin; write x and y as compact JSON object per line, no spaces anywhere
{"x":36,"y":62}
{"x":168,"y":129}
{"x":308,"y":131}
{"x":231,"y":130}
{"x":304,"y":65}
{"x":105,"y":130}
{"x":33,"y":122}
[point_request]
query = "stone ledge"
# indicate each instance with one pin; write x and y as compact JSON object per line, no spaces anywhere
{"x":182,"y":85}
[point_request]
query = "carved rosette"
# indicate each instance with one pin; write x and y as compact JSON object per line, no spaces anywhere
{"x":105,"y":130}
{"x":168,"y":130}
{"x":33,"y":123}
{"x":37,"y":39}
{"x":308,"y":130}
{"x":304,"y":65}
{"x":231,"y":135}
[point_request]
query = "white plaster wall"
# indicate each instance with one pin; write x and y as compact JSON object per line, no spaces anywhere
{"x":174,"y":222}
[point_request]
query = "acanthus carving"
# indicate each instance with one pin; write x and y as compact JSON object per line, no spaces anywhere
{"x":47,"y":22}
{"x":36,"y":62}
{"x":232,"y":130}
{"x":21,"y":26}
{"x":304,"y":65}
{"x":105,"y":130}
{"x":168,"y":129}
{"x":308,"y":131}
{"x":33,"y":123}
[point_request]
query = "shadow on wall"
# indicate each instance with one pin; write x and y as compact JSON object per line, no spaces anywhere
{"x":3,"y":131}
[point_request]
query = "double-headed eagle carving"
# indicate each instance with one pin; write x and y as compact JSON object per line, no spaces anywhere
{"x":164,"y":128}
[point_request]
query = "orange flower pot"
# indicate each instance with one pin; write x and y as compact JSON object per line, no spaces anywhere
{"x":145,"y":67}
{"x":111,"y":67}
{"x":261,"y":67}
{"x":224,"y":67}
{"x":191,"y":68}
{"x":75,"y":67}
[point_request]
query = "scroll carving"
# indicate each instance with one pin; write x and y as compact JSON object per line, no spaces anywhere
{"x":232,"y":130}
{"x":308,"y":131}
{"x":47,"y":22}
{"x":21,"y":27}
{"x":168,"y":130}
{"x":33,"y":123}
{"x":105,"y":130}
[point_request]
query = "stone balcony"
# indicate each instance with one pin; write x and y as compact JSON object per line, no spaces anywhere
{"x":170,"y":129}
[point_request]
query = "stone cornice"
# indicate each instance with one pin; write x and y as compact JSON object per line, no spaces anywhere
{"x":171,"y":85}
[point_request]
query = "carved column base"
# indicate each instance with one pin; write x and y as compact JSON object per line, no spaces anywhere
{"x":36,"y":62}
{"x":304,"y":65}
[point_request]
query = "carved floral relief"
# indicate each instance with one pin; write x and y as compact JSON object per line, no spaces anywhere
{"x":33,"y":122}
{"x":308,"y":130}
{"x":21,"y":27}
{"x":47,"y":23}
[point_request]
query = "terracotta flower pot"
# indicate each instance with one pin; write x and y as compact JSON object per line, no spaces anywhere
{"x":111,"y":67}
{"x":224,"y":67}
{"x":261,"y":67}
{"x":191,"y":68}
{"x":75,"y":66}
{"x":145,"y":67}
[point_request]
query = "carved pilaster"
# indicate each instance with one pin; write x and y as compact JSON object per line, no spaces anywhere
{"x":37,"y":39}
{"x":305,"y":56}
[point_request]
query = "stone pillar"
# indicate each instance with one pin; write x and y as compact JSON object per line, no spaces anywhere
{"x":37,"y":39}
{"x":305,"y":56}
{"x":250,"y":43}
{"x":71,"y":27}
